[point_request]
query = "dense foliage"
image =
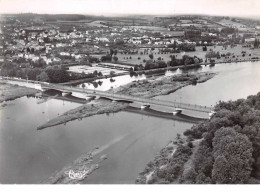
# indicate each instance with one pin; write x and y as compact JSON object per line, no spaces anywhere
{"x":212,"y":54}
{"x":185,"y":60}
{"x":222,"y":150}
{"x":52,"y":74}
{"x":230,"y":150}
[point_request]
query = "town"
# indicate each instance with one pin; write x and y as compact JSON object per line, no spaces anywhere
{"x":71,"y":47}
{"x":124,"y":99}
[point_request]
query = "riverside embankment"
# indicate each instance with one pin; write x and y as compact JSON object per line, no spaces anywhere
{"x":146,"y":88}
{"x":31,"y":156}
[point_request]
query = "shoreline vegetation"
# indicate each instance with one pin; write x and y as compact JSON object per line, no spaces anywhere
{"x":148,"y":88}
{"x":217,"y":61}
{"x":222,"y":150}
{"x":156,"y":86}
{"x":11,"y":92}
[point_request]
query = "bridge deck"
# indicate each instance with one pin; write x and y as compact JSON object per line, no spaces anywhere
{"x":165,"y":103}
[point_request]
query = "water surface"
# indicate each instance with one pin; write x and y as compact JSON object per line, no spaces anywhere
{"x":30,"y":156}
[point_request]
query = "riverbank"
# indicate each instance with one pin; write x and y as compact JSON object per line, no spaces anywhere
{"x":174,"y":164}
{"x":156,"y":86}
{"x":12,"y":92}
{"x":207,"y":154}
{"x":171,"y":164}
{"x":93,"y":108}
{"x":145,"y":88}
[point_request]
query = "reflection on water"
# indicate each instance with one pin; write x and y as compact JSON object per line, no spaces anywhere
{"x":30,"y":156}
{"x":233,"y":81}
{"x":108,"y":83}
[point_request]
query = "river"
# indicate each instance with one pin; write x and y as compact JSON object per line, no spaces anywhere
{"x":31,"y":156}
{"x":233,"y":81}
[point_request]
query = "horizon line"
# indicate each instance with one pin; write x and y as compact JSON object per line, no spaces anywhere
{"x":131,"y":14}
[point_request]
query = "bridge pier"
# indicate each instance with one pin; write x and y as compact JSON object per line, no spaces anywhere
{"x":97,"y":97}
{"x":66,"y":93}
{"x":178,"y":107}
{"x":145,"y":106}
{"x":88,"y":98}
{"x":38,"y":87}
{"x":177,"y":111}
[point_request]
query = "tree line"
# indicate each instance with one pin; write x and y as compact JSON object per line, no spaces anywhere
{"x":230,"y":149}
{"x":52,"y":74}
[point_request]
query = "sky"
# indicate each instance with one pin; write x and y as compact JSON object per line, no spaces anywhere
{"x":141,"y":7}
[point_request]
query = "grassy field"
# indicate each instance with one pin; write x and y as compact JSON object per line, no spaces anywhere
{"x":199,"y":53}
{"x":229,"y":23}
{"x":241,"y":27}
{"x":152,"y":28}
{"x":95,"y":24}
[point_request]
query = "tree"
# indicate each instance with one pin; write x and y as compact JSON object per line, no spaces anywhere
{"x":212,"y":54}
{"x":174,"y":45}
{"x":204,"y":48}
{"x":82,"y":74}
{"x":196,"y":61}
{"x":115,"y":58}
{"x":57,"y":75}
{"x":106,"y":58}
{"x":187,"y":60}
{"x":233,"y":157}
{"x":83,"y":85}
{"x":33,"y":73}
{"x":112,"y":73}
{"x":111,"y":52}
{"x":151,"y":56}
{"x":95,"y":73}
{"x":43,"y":77}
{"x":203,"y":179}
{"x":256,"y":43}
{"x":100,"y":74}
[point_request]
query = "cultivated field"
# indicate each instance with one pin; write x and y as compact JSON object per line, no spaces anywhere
{"x":199,"y":53}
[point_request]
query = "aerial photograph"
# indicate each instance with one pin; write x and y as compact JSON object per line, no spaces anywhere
{"x":129,"y":92}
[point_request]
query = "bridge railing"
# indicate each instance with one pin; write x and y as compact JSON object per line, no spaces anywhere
{"x":118,"y":96}
{"x":132,"y":98}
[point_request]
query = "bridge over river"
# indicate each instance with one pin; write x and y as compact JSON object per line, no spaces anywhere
{"x":126,"y":98}
{"x":109,"y":95}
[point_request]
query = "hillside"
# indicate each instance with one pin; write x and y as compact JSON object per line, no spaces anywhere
{"x":223,"y":150}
